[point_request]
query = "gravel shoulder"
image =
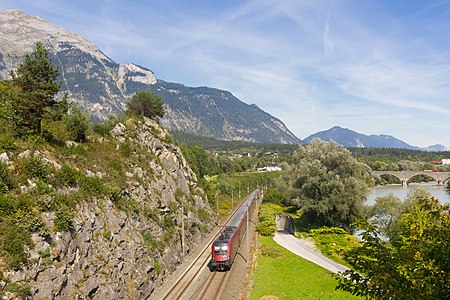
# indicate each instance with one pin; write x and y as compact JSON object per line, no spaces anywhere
{"x":305,"y":248}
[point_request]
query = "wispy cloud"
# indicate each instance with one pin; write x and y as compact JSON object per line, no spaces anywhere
{"x":370,"y":66}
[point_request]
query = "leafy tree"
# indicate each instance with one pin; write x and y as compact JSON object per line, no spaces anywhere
{"x":145,"y":103}
{"x":36,"y":79}
{"x":274,"y":196}
{"x":414,"y":265}
{"x":414,"y":196}
{"x":327,"y":183}
{"x":386,"y":212}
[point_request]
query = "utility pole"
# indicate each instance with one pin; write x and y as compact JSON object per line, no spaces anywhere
{"x":217,"y":209}
{"x":232,"y":199}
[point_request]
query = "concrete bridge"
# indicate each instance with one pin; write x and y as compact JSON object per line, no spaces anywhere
{"x":405,"y":176}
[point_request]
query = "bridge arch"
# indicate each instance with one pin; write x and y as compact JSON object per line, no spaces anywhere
{"x":405,"y":176}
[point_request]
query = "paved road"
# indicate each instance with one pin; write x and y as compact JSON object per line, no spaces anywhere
{"x":305,"y":249}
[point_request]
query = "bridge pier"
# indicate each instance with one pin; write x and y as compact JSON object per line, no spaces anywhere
{"x":404,"y":183}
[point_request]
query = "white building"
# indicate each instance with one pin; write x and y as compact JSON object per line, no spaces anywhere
{"x":446,"y":161}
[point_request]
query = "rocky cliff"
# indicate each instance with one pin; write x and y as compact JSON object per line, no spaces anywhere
{"x":102,"y":87}
{"x":102,"y":218}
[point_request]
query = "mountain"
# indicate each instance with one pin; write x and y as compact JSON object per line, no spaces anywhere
{"x":350,"y":138}
{"x":436,"y":148}
{"x":102,"y":87}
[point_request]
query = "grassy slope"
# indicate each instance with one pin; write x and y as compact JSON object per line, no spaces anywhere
{"x":287,"y":276}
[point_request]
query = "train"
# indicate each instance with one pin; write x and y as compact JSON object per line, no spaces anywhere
{"x":225,"y":247}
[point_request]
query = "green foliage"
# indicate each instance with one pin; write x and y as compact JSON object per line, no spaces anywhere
{"x":158,"y":266}
{"x":22,"y":291}
{"x":36,"y":79}
{"x":7,"y":142}
{"x":91,"y":185}
{"x":327,"y":183}
{"x":149,"y":240}
{"x":68,"y":175}
{"x":126,"y":148}
{"x":414,"y":265}
{"x":33,"y":167}
{"x":334,"y":242}
{"x":104,"y":128}
{"x":77,"y":124}
{"x":6,"y":181}
{"x":64,"y":219}
{"x":8,"y":116}
{"x":386,"y":212}
{"x":327,"y":230}
{"x":198,"y":160}
{"x":14,"y":241}
{"x":391,"y":159}
{"x":267,"y":212}
{"x":274,"y":196}
{"x":145,"y":103}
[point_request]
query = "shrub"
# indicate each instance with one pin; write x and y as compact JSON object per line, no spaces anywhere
{"x":7,"y":142}
{"x":77,"y":124}
{"x":7,"y":205}
{"x":267,"y":227}
{"x":6,"y":181}
{"x":267,"y":213}
{"x":22,"y":291}
{"x":327,"y":230}
{"x":91,"y":185}
{"x":68,"y":175}
{"x":149,"y":240}
{"x":158,"y":266}
{"x":64,"y":219}
{"x":33,"y":167}
{"x":126,"y":148}
{"x":105,"y":128}
{"x":14,"y":241}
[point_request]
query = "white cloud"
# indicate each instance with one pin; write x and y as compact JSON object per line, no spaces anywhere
{"x":314,"y":64}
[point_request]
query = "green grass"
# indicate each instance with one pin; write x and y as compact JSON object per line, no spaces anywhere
{"x":285,"y":275}
{"x":334,"y":246}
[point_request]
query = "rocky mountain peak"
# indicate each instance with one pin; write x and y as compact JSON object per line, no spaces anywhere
{"x":131,"y":72}
{"x":20,"y":32}
{"x":102,"y":87}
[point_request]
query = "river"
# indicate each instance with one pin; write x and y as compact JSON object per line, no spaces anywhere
{"x":439,"y":192}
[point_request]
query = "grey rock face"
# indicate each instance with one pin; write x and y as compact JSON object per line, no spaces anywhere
{"x":115,"y":254}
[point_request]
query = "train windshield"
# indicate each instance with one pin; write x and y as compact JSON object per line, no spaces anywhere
{"x":220,"y":248}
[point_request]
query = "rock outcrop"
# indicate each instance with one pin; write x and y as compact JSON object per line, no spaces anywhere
{"x":121,"y":244}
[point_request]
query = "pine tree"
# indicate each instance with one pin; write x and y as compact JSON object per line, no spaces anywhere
{"x":36,"y":80}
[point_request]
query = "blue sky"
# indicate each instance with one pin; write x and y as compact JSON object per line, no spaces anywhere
{"x":376,"y":67}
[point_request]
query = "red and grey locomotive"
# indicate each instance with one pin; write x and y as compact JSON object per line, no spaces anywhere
{"x":225,"y":247}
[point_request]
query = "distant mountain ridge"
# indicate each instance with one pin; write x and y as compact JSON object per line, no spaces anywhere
{"x":102,"y":87}
{"x":349,"y":138}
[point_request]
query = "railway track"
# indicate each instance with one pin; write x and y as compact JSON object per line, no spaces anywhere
{"x":192,"y":282}
{"x":217,"y":280}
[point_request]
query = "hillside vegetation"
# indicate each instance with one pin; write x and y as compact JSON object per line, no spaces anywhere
{"x":87,"y":212}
